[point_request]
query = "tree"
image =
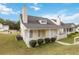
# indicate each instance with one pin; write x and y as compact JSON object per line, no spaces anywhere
{"x":12,"y":24}
{"x":17,"y":25}
{"x":2,"y":20}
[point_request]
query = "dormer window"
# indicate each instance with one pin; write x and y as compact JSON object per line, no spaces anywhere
{"x":43,"y":21}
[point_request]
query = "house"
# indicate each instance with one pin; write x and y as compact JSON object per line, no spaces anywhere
{"x":4,"y":27}
{"x":34,"y":28}
{"x":68,"y":28}
{"x":77,"y":28}
{"x":65,"y":28}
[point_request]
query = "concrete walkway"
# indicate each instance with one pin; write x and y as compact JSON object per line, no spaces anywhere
{"x":63,"y":43}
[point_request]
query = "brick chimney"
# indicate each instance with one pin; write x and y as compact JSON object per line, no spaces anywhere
{"x":24,"y":14}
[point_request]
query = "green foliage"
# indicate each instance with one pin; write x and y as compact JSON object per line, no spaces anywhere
{"x":33,"y":43}
{"x":40,"y":41}
{"x":18,"y":37}
{"x":53,"y":39}
{"x":12,"y":24}
{"x":2,"y":21}
{"x":17,"y":25}
{"x":72,"y":34}
{"x":70,"y":38}
{"x":10,"y":46}
{"x":76,"y":32}
{"x":47,"y":40}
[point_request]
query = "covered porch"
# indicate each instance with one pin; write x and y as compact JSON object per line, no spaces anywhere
{"x":63,"y":32}
{"x":69,"y":30}
{"x":35,"y":34}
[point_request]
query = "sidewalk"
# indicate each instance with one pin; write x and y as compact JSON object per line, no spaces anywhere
{"x":63,"y":43}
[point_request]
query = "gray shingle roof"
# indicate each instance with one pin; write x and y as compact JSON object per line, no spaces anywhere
{"x":35,"y":20}
{"x":67,"y":25}
{"x":77,"y":25}
{"x":41,"y":26}
{"x":33,"y":23}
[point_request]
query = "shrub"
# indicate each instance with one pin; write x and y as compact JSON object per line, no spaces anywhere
{"x":71,"y":34}
{"x":33,"y":43}
{"x":40,"y":41}
{"x":47,"y":40}
{"x":18,"y":37}
{"x":76,"y":32}
{"x":53,"y":39}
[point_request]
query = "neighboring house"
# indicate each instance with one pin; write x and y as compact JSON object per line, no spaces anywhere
{"x":34,"y":28}
{"x":77,"y":28}
{"x":69,"y":27}
{"x":65,"y":28}
{"x":4,"y":27}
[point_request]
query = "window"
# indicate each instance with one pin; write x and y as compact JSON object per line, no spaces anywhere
{"x":70,"y":29}
{"x":31,"y":33}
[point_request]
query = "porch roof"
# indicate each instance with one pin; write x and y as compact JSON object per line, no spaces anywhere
{"x":41,"y":26}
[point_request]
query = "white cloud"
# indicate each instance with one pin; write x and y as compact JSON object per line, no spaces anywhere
{"x":55,"y":16}
{"x":71,"y":18}
{"x":5,"y":10}
{"x":35,"y":7}
{"x":50,"y":16}
{"x":74,"y":18}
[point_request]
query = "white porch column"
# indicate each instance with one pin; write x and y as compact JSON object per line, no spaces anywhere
{"x":27,"y":37}
{"x":58,"y":31}
{"x":66,"y":31}
{"x":49,"y":33}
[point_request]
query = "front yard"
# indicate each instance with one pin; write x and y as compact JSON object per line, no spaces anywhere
{"x":70,"y":38}
{"x":9,"y":45}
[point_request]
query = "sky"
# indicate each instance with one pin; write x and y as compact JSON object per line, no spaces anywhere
{"x":68,"y":12}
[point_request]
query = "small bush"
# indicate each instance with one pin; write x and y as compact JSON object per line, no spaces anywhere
{"x":73,"y":33}
{"x":47,"y":40}
{"x":33,"y":43}
{"x":40,"y":41}
{"x":53,"y":39}
{"x":70,"y":35}
{"x":76,"y":32}
{"x":18,"y":37}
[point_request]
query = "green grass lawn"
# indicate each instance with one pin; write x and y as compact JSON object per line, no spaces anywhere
{"x":9,"y":45}
{"x":70,"y":38}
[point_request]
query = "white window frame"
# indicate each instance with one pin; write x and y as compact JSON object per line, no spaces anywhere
{"x":43,"y":21}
